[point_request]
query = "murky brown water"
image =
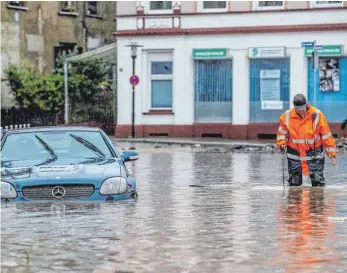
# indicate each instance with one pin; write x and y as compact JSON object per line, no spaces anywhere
{"x":240,"y":220}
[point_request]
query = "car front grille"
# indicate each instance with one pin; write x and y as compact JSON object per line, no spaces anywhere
{"x":58,"y":192}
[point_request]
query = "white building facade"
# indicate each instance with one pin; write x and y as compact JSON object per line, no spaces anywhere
{"x":228,"y":69}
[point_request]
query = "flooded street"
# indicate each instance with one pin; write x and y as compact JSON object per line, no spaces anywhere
{"x":199,"y":210}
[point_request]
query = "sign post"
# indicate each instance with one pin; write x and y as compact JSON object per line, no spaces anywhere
{"x":315,"y":63}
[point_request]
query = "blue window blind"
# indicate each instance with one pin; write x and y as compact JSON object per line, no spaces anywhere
{"x":257,"y":114}
{"x":213,"y":90}
{"x":332,"y":104}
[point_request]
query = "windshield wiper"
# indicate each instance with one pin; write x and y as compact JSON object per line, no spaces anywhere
{"x":89,"y":145}
{"x":47,"y":147}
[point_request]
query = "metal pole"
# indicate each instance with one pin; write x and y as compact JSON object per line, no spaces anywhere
{"x":66,"y":114}
{"x":114,"y":75}
{"x":133,"y":112}
{"x":314,"y":73}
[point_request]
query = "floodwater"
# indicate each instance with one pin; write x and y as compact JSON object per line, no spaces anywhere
{"x":199,"y":210}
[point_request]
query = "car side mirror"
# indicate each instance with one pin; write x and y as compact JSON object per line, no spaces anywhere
{"x":130,"y":156}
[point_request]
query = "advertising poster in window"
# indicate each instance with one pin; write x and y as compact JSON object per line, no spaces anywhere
{"x":270,"y":91}
{"x":329,"y":75}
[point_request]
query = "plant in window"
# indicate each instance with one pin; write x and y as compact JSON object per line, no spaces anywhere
{"x":68,"y":6}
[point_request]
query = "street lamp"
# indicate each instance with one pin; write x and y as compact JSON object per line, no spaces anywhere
{"x":134,"y":47}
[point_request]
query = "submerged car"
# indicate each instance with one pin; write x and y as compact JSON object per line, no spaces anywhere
{"x":64,"y":164}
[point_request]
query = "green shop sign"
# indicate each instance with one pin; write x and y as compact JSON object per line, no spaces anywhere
{"x":327,"y":50}
{"x":209,"y":53}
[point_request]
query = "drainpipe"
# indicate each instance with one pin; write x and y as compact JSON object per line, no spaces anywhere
{"x":66,"y":114}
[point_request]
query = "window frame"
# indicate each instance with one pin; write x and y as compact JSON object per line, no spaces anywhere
{"x":256,"y":6}
{"x":331,"y":5}
{"x":159,"y":57}
{"x":146,"y":5}
{"x":20,"y":5}
{"x":203,"y":10}
{"x":96,"y":8}
{"x":72,"y":4}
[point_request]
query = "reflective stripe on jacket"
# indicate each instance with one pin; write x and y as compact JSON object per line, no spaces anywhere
{"x":304,"y":134}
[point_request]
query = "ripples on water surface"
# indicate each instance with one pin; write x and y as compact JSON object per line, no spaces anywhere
{"x":197,"y":211}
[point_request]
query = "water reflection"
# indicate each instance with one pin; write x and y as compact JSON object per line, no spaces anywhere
{"x":240,"y":219}
{"x":305,"y":234}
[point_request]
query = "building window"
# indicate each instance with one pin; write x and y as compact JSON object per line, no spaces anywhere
{"x":17,"y":5}
{"x":158,"y":6}
{"x":161,"y":83}
{"x":326,"y":4}
{"x":212,"y":6}
{"x":268,"y":5}
{"x":68,"y":6}
{"x":92,"y":8}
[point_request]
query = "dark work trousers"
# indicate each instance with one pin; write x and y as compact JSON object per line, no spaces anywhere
{"x":316,"y":167}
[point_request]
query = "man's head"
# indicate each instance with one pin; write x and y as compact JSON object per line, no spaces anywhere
{"x":300,"y":104}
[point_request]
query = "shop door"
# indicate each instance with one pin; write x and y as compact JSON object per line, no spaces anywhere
{"x":213,"y":91}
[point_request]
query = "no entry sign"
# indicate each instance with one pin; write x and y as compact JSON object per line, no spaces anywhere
{"x":134,"y":80}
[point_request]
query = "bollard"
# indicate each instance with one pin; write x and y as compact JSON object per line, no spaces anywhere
{"x":6,"y":127}
{"x":11,"y":127}
{"x":28,"y":125}
{"x":20,"y":126}
{"x":15,"y":126}
{"x":24,"y":126}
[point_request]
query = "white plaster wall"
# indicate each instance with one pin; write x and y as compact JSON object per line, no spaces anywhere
{"x":250,"y":19}
{"x":183,"y":78}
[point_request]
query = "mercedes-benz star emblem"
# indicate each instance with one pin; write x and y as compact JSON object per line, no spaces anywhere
{"x":58,"y":192}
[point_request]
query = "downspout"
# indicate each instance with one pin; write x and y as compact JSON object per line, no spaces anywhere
{"x":66,"y":114}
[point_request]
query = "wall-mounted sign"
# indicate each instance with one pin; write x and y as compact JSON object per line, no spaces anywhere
{"x":209,"y":53}
{"x":271,"y":105}
{"x":158,"y":22}
{"x":266,"y":52}
{"x":325,"y":50}
{"x":270,"y":91}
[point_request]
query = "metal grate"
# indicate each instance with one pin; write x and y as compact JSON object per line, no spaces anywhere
{"x":61,"y":192}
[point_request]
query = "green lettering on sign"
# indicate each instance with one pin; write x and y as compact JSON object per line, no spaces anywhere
{"x":327,"y":50}
{"x":209,"y":53}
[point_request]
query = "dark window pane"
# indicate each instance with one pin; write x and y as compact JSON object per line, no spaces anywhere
{"x":161,"y":68}
{"x":328,"y":2}
{"x":159,"y":5}
{"x":215,"y":4}
{"x":270,"y":3}
{"x":92,"y":7}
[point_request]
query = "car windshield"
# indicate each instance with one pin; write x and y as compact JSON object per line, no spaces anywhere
{"x":51,"y":145}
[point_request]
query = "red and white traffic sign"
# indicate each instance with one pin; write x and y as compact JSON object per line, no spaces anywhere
{"x":134,"y":80}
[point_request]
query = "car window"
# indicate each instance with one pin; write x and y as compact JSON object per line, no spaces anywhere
{"x":22,"y":146}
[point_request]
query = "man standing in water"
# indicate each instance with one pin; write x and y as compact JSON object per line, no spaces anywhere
{"x":304,"y":134}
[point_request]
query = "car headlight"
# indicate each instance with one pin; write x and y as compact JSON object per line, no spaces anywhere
{"x":7,"y":190}
{"x":114,"y":185}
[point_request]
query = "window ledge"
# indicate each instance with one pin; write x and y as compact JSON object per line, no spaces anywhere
{"x":94,"y":16}
{"x":17,"y":7}
{"x":159,"y":112}
{"x":68,"y":13}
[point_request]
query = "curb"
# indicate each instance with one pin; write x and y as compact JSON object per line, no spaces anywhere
{"x":237,"y":145}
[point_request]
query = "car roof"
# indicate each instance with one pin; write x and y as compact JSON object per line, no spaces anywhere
{"x":52,"y":129}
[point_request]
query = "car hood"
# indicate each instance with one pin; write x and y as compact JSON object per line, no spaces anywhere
{"x":75,"y":170}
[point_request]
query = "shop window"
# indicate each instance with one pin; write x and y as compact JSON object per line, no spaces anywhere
{"x":212,"y":6}
{"x":161,"y":83}
{"x":213,"y":90}
{"x":326,"y":4}
{"x":268,"y":5}
{"x":92,"y":7}
{"x":269,"y":89}
{"x":331,"y":87}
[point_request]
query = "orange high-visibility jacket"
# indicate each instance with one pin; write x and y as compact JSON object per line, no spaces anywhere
{"x":298,"y":133}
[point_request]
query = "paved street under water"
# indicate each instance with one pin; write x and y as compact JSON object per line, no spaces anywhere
{"x":199,"y":210}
